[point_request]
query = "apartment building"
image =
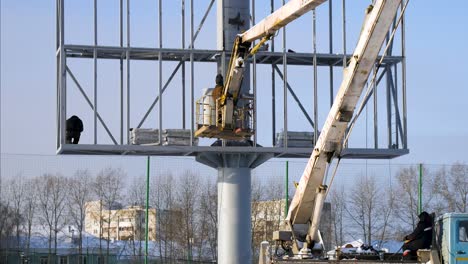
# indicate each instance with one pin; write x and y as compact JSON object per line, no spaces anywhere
{"x":118,"y":223}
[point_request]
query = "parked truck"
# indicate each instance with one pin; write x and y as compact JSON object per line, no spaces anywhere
{"x":450,"y":239}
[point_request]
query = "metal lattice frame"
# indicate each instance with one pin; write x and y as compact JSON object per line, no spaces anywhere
{"x":396,"y":117}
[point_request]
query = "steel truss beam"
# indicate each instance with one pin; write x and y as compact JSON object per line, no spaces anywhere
{"x":187,"y":53}
{"x":262,"y":57}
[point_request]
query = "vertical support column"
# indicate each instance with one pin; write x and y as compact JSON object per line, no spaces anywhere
{"x":314,"y":43}
{"x":344,"y":32}
{"x":234,"y":209}
{"x":376,"y":134}
{"x":343,"y":15}
{"x":234,"y":18}
{"x":57,"y":72}
{"x":403,"y":76}
{"x":160,"y":72}
{"x":254,"y":84}
{"x":95,"y":72}
{"x":128,"y":71}
{"x":330,"y":47}
{"x":285,"y":89}
{"x":192,"y":95}
{"x":61,"y":75}
{"x":121,"y":75}
{"x":183,"y":63}
{"x":273,"y":88}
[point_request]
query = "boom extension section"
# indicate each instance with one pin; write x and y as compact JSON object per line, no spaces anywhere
{"x":232,"y":115}
{"x":306,"y":207}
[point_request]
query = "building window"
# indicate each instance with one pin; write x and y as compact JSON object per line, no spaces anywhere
{"x":43,"y":260}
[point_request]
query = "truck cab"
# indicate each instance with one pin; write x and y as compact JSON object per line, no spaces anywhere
{"x":451,"y":239}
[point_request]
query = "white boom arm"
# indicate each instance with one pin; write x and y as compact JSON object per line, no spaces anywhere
{"x":241,"y":49}
{"x":306,"y":206}
{"x":280,"y":18}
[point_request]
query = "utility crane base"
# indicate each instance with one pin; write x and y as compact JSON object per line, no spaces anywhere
{"x":214,"y":132}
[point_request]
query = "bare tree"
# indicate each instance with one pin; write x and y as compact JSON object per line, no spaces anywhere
{"x":137,"y":191}
{"x":459,"y":180}
{"x":406,"y":196}
{"x":274,"y":209}
{"x":452,"y":186}
{"x":108,"y":187}
{"x":188,"y":193}
{"x":386,"y":213}
{"x":338,"y":204}
{"x":363,"y":206}
{"x":79,"y":194}
{"x":16,"y":193}
{"x":51,"y":196}
{"x":446,"y":201}
{"x":7,"y":223}
{"x":168,"y":215}
{"x":258,"y":232}
{"x":29,"y":209}
{"x":209,"y":217}
{"x":137,"y":197}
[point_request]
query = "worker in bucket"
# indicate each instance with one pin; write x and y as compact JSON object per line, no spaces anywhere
{"x":218,"y":90}
{"x":421,"y":237}
{"x":74,"y":127}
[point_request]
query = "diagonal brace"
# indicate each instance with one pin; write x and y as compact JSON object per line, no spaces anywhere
{"x":296,"y":98}
{"x":178,"y":65}
{"x":157,"y":97}
{"x":90,"y":104}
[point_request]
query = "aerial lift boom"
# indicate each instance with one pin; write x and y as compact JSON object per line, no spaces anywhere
{"x":230,"y":113}
{"x":306,"y":207}
{"x":307,"y":203}
{"x":264,"y":30}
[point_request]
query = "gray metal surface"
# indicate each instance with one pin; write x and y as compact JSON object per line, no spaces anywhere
{"x":234,"y":224}
{"x":234,"y":169}
{"x":95,"y":52}
{"x":91,"y":149}
{"x":201,"y":55}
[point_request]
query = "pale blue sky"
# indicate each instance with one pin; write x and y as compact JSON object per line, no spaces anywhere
{"x":437,"y":38}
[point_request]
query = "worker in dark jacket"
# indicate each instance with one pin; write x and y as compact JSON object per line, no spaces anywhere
{"x":421,"y":237}
{"x":74,"y":127}
{"x":218,"y":90}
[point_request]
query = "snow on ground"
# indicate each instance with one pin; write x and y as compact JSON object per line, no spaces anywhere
{"x":358,"y":246}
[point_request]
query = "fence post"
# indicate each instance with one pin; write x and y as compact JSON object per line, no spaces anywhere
{"x":286,"y":207}
{"x":420,"y":189}
{"x":147,"y":206}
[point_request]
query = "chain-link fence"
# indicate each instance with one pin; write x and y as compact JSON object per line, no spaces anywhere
{"x":69,"y":202}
